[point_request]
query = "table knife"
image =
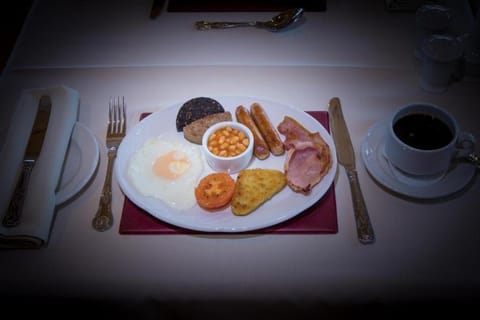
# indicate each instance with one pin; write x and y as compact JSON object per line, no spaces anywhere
{"x":346,"y":157}
{"x":32,"y":152}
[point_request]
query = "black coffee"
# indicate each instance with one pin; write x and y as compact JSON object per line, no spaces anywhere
{"x":423,"y":131}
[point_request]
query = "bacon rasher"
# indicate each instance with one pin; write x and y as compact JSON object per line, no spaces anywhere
{"x":308,"y":156}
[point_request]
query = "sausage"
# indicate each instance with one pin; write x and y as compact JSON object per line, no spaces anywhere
{"x":268,"y":131}
{"x":260,"y":147}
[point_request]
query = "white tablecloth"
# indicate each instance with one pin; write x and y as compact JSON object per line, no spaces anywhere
{"x":425,"y":250}
{"x":120,"y":33}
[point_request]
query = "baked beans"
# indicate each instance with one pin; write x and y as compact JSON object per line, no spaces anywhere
{"x":227,"y":142}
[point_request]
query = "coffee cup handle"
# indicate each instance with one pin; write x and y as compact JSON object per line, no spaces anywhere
{"x":465,"y":144}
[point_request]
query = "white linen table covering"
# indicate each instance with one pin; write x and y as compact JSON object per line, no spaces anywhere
{"x":114,"y":33}
{"x":425,"y":250}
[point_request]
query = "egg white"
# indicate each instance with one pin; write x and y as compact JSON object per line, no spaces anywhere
{"x":177,"y":193}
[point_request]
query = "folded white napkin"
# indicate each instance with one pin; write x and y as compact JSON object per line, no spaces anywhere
{"x":39,"y":206}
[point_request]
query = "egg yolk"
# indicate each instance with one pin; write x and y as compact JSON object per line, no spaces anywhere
{"x":171,"y":165}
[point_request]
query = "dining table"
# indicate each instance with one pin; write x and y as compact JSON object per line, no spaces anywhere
{"x":426,"y":253}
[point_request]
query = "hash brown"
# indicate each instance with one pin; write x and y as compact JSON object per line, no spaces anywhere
{"x":254,"y":187}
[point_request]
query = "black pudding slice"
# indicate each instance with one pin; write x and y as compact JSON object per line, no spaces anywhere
{"x":195,"y":109}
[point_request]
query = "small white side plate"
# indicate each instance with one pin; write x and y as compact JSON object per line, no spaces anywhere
{"x":80,"y":164}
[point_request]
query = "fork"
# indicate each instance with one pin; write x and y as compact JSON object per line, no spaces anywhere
{"x":116,"y":130}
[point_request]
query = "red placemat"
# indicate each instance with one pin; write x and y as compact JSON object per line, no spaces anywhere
{"x":319,"y":218}
{"x":244,"y":5}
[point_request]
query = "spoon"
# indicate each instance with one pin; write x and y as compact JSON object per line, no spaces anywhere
{"x":278,"y":22}
{"x":474,"y":159}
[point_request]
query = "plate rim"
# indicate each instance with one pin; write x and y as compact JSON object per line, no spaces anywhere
{"x":65,"y":193}
{"x":224,"y":100}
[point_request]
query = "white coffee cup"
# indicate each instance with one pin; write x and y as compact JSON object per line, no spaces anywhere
{"x":423,"y":140}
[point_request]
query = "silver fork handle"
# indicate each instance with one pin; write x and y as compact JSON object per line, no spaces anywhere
{"x":103,"y":219}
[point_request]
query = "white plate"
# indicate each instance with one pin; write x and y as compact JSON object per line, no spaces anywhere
{"x":80,"y":163}
{"x":454,"y":180}
{"x":285,"y":205}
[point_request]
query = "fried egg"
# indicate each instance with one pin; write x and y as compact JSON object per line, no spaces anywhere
{"x":167,"y":169}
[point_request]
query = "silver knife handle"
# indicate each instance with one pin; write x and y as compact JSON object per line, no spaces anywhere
{"x":364,"y":226}
{"x":14,"y":211}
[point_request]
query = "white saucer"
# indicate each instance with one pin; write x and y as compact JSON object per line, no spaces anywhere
{"x":378,"y":166}
{"x":80,"y":163}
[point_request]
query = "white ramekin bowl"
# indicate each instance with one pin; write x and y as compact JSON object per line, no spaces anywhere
{"x":228,"y":164}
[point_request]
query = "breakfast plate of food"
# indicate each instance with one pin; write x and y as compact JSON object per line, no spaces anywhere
{"x":181,"y":163}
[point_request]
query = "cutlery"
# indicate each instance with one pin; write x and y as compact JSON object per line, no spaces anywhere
{"x":116,"y":130}
{"x":346,"y":157}
{"x":277,"y":23}
{"x":32,"y":152}
{"x":474,"y":159}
